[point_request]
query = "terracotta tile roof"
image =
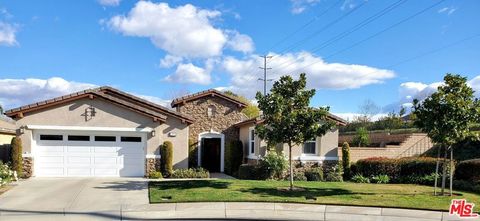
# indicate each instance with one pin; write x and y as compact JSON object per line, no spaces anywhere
{"x":257,"y":120}
{"x":127,"y":100}
{"x":209,"y":92}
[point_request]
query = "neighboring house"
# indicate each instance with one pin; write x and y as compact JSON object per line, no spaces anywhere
{"x":7,"y":130}
{"x":107,"y":132}
{"x":323,"y":148}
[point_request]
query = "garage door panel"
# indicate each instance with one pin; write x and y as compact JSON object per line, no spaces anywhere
{"x":106,"y":160}
{"x":79,"y":160}
{"x":50,"y":159}
{"x":50,"y":149}
{"x":105,"y":149}
{"x":78,"y":149}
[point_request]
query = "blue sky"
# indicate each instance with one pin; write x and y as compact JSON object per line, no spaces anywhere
{"x":162,"y":49}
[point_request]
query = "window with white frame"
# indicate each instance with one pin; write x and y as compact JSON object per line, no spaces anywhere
{"x":211,"y":111}
{"x":309,"y":147}
{"x":251,"y":141}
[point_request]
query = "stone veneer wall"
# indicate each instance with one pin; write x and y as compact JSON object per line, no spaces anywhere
{"x":152,"y":164}
{"x":27,"y":167}
{"x":226,"y":114}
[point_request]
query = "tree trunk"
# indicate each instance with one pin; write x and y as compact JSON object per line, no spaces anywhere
{"x":436,"y":170}
{"x":444,"y":171}
{"x":451,"y":170}
{"x":290,"y":162}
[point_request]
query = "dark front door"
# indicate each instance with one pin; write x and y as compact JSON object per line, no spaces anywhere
{"x":211,"y":154}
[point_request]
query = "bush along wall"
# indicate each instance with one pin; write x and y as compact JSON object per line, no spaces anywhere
{"x":166,"y":160}
{"x":16,"y":156}
{"x":192,"y":154}
{"x":233,"y":157}
{"x":468,"y":170}
{"x":346,"y":160}
{"x":416,"y":170}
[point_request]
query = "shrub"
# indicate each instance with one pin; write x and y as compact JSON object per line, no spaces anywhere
{"x":192,"y":153}
{"x":166,"y":160}
{"x":466,"y":186}
{"x":6,"y":174}
{"x":334,"y":174}
{"x":314,"y":174}
{"x":233,"y":157}
{"x":299,"y":176}
{"x":16,"y":156}
{"x":248,"y":172}
{"x":381,"y":179}
{"x":190,"y":173}
{"x":358,"y":178}
{"x":377,"y":166}
{"x":419,"y":166}
{"x":361,"y":137}
{"x":274,"y":164}
{"x":155,"y":175}
{"x":346,"y":160}
{"x":428,"y":179}
{"x":468,"y":170}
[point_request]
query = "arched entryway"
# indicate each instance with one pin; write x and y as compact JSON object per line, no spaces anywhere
{"x":211,"y":149}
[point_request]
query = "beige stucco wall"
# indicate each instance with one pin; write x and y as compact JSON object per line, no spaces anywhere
{"x":5,"y":138}
{"x":110,"y":115}
{"x":326,"y":146}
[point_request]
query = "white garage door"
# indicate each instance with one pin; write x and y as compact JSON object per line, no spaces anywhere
{"x":88,"y":154}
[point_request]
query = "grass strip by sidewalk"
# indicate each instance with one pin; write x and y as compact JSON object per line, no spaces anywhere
{"x":383,"y":195}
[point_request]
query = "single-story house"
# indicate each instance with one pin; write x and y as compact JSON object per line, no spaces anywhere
{"x":107,"y":132}
{"x":7,"y":130}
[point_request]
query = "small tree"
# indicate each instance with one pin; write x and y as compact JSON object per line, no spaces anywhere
{"x":16,"y":156}
{"x":166,"y":160}
{"x":446,"y":117}
{"x":251,"y":110}
{"x":288,"y":117}
{"x":346,"y":160}
{"x":367,"y":111}
{"x":361,"y":137}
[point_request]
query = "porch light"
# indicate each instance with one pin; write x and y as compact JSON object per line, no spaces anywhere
{"x":153,"y":133}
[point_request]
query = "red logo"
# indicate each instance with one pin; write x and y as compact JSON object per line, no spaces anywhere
{"x":462,"y":209}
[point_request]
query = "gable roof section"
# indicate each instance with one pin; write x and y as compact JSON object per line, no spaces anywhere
{"x":209,"y":92}
{"x":110,"y":94}
{"x":258,"y":120}
{"x":7,"y":125}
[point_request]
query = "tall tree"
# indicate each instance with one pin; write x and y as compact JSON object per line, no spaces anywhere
{"x":251,"y":110}
{"x":446,"y":117}
{"x":288,"y":117}
{"x":367,"y":111}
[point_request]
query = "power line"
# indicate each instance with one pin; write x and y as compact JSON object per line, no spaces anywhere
{"x":353,"y":29}
{"x":376,"y":34}
{"x":315,"y":18}
{"x":301,"y":42}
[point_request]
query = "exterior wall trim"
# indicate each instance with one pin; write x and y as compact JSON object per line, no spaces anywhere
{"x":152,"y":156}
{"x":80,"y":128}
{"x":212,"y":134}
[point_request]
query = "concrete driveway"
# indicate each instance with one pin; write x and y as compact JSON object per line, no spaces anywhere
{"x":77,"y":198}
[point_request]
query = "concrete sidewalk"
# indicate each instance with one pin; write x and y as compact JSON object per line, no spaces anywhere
{"x":235,"y":211}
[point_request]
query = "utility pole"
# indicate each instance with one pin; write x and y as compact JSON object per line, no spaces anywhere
{"x":265,"y":68}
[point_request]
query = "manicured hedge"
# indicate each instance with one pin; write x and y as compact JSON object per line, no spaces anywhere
{"x":16,"y":156}
{"x":190,"y":173}
{"x":397,"y":169}
{"x":252,"y":172}
{"x":468,"y":170}
{"x":166,"y":160}
{"x":233,"y":157}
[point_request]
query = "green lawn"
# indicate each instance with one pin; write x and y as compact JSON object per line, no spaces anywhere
{"x":386,"y":195}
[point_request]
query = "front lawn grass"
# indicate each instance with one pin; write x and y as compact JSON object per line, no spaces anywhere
{"x":384,"y":195}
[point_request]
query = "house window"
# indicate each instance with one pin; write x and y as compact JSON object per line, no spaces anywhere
{"x":130,"y":139}
{"x":51,"y":137}
{"x":251,"y":141}
{"x":211,"y":111}
{"x":309,"y":147}
{"x":78,"y":138}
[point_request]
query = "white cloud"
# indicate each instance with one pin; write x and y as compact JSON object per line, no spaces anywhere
{"x":17,"y":92}
{"x":240,"y":42}
{"x":320,"y":74}
{"x":189,"y":73}
{"x":447,"y":10}
{"x":169,"y":61}
{"x":109,"y":2}
{"x":157,"y":100}
{"x":299,"y":6}
{"x":8,"y":34}
{"x":183,"y":31}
